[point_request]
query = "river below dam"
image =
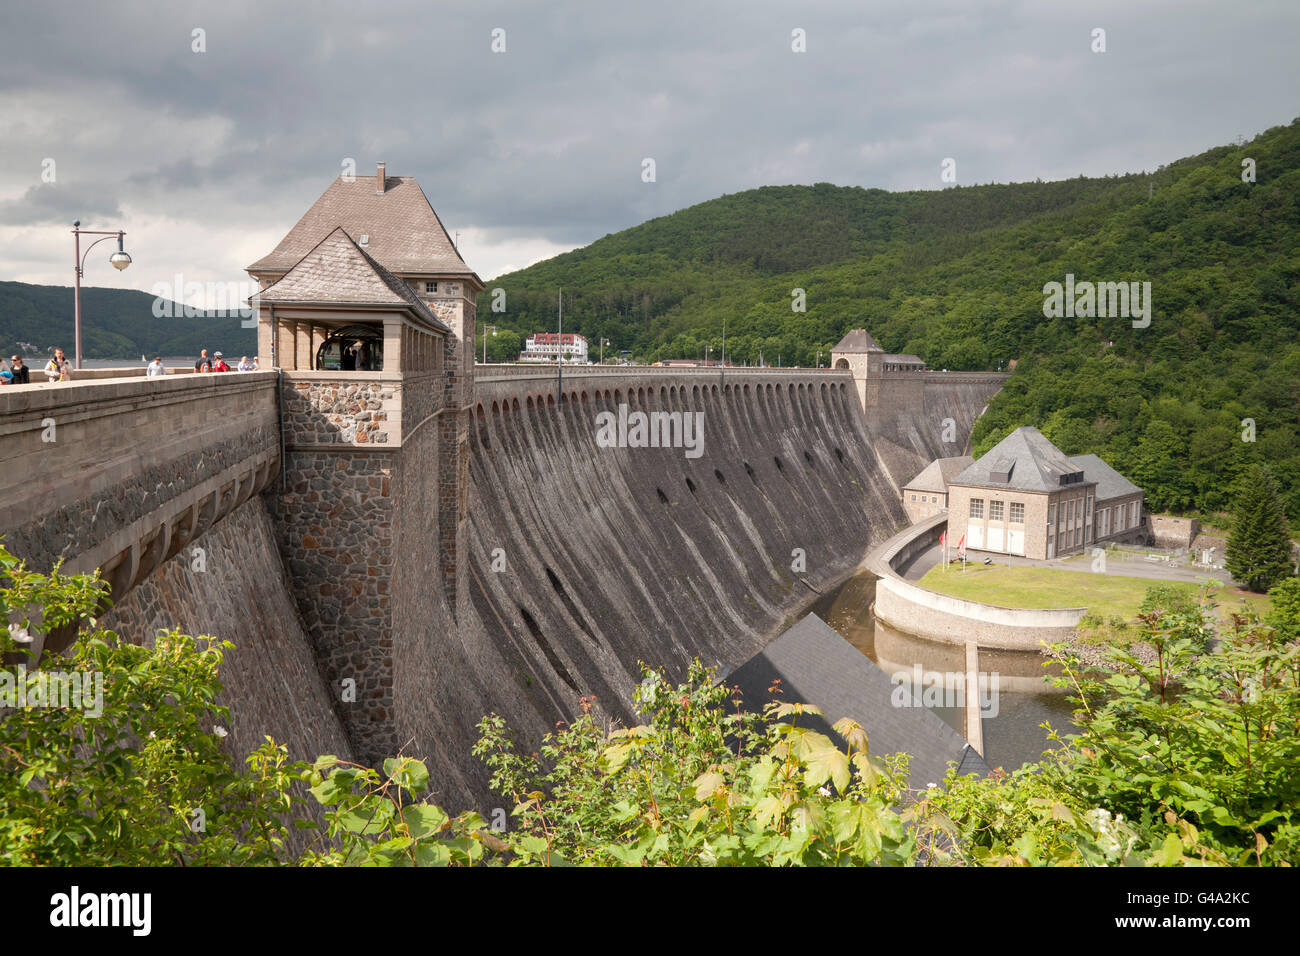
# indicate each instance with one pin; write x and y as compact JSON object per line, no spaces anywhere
{"x":1012,"y":731}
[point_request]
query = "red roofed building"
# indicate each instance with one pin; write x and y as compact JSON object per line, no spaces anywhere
{"x":549,"y":346}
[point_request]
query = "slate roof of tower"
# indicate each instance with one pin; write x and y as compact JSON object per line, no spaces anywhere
{"x":909,"y":359}
{"x":405,"y":233}
{"x":1035,"y":463}
{"x":337,"y":270}
{"x":858,"y":340}
{"x":817,"y":666}
{"x":939,"y":473}
{"x":1110,"y":483}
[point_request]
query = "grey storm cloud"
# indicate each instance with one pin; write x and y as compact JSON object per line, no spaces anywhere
{"x":547,"y":139}
{"x":47,"y":204}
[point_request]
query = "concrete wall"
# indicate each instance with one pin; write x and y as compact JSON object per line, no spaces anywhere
{"x":1167,"y":531}
{"x":119,"y":474}
{"x":580,"y":560}
{"x":910,"y":432}
{"x":272,"y":684}
{"x":614,"y":555}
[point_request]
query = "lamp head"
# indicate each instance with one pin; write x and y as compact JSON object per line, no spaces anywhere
{"x":119,"y":260}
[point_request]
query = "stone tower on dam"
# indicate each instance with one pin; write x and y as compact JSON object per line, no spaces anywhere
{"x":397,"y":549}
{"x":368,"y":310}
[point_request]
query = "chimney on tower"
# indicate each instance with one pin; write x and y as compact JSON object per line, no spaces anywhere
{"x":380,"y":179}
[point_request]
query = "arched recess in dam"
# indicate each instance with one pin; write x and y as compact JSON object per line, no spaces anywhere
{"x":585,"y":560}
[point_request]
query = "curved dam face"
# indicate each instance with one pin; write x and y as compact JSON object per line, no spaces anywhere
{"x":585,"y":560}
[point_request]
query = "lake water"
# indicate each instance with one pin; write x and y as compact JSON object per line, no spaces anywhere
{"x":170,"y":361}
{"x":1012,"y":737}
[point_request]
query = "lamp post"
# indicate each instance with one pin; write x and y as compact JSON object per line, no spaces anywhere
{"x":119,"y":261}
{"x":603,"y":343}
{"x":819,"y":359}
{"x":559,"y":357}
{"x":485,"y":332}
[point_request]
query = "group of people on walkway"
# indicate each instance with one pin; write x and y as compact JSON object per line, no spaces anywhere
{"x":59,"y":369}
{"x":17,"y":372}
{"x":215,"y":364}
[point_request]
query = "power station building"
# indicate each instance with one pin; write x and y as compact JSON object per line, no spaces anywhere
{"x":1026,"y":497}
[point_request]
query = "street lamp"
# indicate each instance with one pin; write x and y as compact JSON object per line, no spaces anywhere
{"x":819,"y":359}
{"x":119,"y":261}
{"x":485,"y":332}
{"x":603,"y":343}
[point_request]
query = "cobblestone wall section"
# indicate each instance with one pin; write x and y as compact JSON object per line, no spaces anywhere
{"x":342,"y":411}
{"x":335,"y":527}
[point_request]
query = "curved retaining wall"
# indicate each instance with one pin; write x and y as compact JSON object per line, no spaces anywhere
{"x":938,"y":617}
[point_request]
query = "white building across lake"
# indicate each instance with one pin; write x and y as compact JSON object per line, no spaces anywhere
{"x":550,"y":346}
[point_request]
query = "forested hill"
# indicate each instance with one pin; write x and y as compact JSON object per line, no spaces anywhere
{"x":115,"y":323}
{"x":957,"y":276}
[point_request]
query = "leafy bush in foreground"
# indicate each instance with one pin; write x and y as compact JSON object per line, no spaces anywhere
{"x":1186,"y":759}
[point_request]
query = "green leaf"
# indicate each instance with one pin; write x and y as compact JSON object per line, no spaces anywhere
{"x":706,"y":784}
{"x":827,"y":763}
{"x":423,"y":819}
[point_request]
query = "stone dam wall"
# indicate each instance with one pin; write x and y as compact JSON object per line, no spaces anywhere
{"x":579,"y":561}
{"x":605,"y":557}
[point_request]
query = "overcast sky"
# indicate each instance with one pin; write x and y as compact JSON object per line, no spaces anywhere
{"x":207,"y":158}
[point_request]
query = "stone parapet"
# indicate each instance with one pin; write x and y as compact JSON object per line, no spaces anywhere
{"x":118,"y":475}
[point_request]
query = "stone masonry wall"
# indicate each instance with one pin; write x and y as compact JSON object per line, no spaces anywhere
{"x":334,"y":525}
{"x":341,"y":410}
{"x":272,"y":684}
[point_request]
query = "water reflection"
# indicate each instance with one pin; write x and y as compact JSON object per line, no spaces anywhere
{"x":1012,"y":737}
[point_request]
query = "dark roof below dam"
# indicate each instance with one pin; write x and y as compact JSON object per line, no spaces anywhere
{"x":858,"y":340}
{"x":817,"y":666}
{"x":1110,"y":483}
{"x":1023,"y":461}
{"x":939,"y":474}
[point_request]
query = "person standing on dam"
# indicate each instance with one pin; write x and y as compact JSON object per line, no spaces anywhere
{"x":56,"y":369}
{"x":19,"y":374}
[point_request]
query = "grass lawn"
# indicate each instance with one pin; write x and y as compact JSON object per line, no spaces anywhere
{"x":1104,"y":594}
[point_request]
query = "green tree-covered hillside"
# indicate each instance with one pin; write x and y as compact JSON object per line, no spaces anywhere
{"x":115,"y":323}
{"x":957,"y":277}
